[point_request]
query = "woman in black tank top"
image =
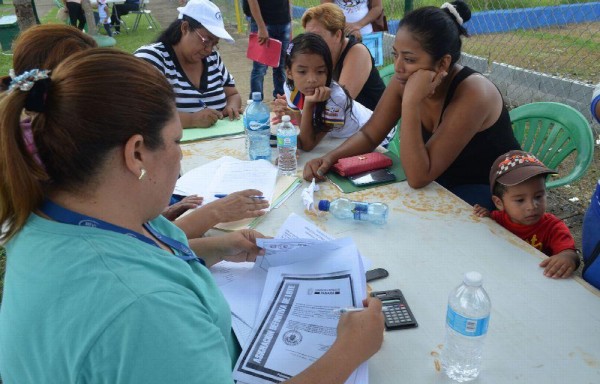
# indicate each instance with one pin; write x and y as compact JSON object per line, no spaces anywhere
{"x":454,"y":122}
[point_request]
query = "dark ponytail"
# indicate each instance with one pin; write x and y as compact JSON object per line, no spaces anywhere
{"x":464,"y":12}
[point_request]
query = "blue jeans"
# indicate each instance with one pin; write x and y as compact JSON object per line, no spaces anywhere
{"x":475,"y":194}
{"x":280,"y":32}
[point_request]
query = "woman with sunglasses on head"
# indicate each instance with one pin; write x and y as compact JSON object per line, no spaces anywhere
{"x":186,"y":53}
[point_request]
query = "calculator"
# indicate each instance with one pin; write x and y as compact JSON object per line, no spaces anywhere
{"x":396,"y":311}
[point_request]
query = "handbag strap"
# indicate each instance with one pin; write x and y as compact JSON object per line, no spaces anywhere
{"x":593,"y":257}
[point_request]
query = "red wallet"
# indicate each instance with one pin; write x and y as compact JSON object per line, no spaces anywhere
{"x":349,"y":166}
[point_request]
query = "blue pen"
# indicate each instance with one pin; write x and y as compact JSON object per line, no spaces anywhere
{"x":354,"y":309}
{"x":222,"y":195}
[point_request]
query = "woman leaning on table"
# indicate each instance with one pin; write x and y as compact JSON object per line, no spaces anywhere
{"x":186,"y":53}
{"x":454,"y":122}
{"x":99,"y":287}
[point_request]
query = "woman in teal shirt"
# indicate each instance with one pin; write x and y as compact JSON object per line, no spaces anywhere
{"x":99,"y":288}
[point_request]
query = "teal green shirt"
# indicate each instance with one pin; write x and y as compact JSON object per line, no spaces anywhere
{"x":86,"y":305}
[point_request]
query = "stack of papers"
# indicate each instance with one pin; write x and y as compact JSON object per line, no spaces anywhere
{"x":228,"y":175}
{"x":284,"y":305}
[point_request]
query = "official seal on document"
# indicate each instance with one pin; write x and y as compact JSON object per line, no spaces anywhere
{"x":292,"y":337}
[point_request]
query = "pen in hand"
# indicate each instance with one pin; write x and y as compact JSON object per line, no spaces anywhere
{"x":346,"y":310}
{"x":353,"y":309}
{"x":222,"y":195}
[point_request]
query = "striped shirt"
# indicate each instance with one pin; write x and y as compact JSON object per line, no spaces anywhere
{"x":188,"y":98}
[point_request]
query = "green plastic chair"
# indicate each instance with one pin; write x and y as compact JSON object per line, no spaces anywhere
{"x":394,"y":145}
{"x":386,"y":73}
{"x":552,"y":131}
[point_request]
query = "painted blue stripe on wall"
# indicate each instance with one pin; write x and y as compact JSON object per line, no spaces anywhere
{"x":513,"y":19}
{"x":530,"y":18}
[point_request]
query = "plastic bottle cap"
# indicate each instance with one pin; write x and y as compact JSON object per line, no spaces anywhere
{"x":285,"y":119}
{"x":473,"y":279}
{"x":256,"y":96}
{"x":324,"y":205}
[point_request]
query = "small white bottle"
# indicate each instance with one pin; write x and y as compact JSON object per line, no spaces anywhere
{"x":467,"y":321}
{"x":286,"y":147}
{"x":245,"y":123}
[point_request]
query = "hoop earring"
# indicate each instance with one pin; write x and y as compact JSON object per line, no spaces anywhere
{"x":142,"y":174}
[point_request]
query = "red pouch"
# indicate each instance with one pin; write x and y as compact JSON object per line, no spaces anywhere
{"x":349,"y":166}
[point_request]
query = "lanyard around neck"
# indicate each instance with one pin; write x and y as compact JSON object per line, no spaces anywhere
{"x":66,"y":216}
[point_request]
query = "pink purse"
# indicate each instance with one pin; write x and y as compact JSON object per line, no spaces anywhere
{"x":349,"y":166}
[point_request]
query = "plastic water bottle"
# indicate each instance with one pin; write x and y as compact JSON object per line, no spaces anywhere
{"x":245,"y":123}
{"x":466,"y":326}
{"x":257,"y":118}
{"x":286,"y":147}
{"x":343,"y":208}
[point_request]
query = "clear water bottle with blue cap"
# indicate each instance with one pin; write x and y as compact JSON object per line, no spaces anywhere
{"x":257,"y":119}
{"x":343,"y":208}
{"x":467,"y":320}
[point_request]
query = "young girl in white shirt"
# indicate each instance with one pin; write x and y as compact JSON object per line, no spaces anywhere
{"x":326,"y":107}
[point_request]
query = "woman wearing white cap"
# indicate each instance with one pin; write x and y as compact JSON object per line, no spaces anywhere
{"x":186,"y":52}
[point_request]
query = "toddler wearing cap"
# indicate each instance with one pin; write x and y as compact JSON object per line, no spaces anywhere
{"x":518,"y":183}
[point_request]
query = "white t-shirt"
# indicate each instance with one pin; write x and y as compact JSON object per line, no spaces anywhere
{"x":355,"y":10}
{"x":346,"y":121}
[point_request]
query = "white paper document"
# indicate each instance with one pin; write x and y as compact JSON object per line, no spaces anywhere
{"x":297,"y":227}
{"x":227,"y":175}
{"x":244,"y":293}
{"x":234,"y":176}
{"x":298,"y":321}
{"x":227,"y":271}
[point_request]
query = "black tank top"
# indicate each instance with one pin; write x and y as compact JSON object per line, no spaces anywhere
{"x":473,"y":164}
{"x":373,"y":89}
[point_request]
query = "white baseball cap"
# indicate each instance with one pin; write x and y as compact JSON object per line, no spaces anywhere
{"x":207,"y":14}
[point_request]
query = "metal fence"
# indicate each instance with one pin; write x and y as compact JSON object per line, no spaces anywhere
{"x":533,"y":50}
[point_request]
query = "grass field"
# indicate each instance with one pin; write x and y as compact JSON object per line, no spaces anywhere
{"x":127,"y":42}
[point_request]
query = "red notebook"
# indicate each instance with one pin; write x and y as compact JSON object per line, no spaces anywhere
{"x":267,"y":54}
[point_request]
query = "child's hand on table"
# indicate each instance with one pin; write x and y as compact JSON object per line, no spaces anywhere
{"x":561,"y":265}
{"x":480,"y":211}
